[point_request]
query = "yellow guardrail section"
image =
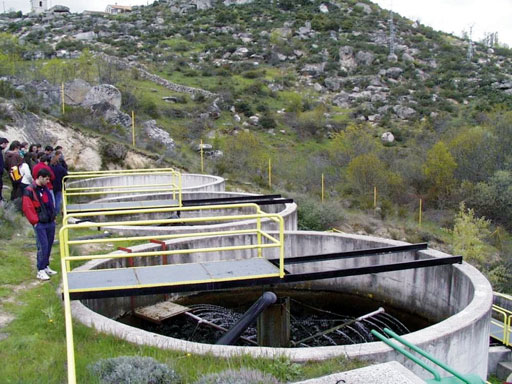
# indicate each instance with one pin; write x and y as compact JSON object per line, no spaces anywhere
{"x":502,"y":318}
{"x":68,"y":190}
{"x":263,"y":241}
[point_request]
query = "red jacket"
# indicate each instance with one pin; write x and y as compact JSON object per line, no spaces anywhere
{"x":42,"y":165}
{"x":31,"y":205}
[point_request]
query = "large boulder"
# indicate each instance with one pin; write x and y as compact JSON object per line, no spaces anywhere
{"x":404,"y":112}
{"x":394,"y":72}
{"x":113,"y":152}
{"x":365,"y":8}
{"x":103,"y":93}
{"x":75,"y":91}
{"x":347,"y":60}
{"x":158,"y":135}
{"x":387,"y":137}
{"x":86,"y":36}
{"x":364,"y":58}
{"x":314,"y":69}
{"x":111,"y":114}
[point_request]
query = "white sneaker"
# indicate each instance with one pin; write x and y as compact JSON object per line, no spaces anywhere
{"x":41,"y":275}
{"x":50,"y":271}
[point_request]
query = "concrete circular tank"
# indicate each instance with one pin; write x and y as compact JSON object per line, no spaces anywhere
{"x":456,"y":298}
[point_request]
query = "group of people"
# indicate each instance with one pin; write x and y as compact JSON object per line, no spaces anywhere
{"x":36,"y":176}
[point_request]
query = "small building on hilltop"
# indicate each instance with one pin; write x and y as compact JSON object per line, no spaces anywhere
{"x":117,"y":9}
{"x":38,"y":6}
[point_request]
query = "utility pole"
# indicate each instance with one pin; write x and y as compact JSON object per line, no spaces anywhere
{"x":391,"y":34}
{"x":470,"y":44}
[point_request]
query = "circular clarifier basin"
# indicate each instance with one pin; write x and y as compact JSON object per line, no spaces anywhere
{"x":449,"y":305}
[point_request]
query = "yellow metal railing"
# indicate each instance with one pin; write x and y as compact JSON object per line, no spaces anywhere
{"x":263,"y":241}
{"x":502,"y":318}
{"x":174,"y":186}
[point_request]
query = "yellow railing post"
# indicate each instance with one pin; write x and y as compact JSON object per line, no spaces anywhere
{"x":323,"y":187}
{"x":202,"y":155}
{"x":133,"y":129}
{"x":258,"y":229}
{"x":269,"y":173}
{"x":419,"y":215}
{"x":62,"y":94}
{"x":374,"y":197}
{"x":70,"y":348}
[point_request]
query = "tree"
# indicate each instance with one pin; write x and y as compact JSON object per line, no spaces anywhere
{"x":367,"y":171}
{"x":469,"y":233}
{"x":492,"y":198}
{"x":348,"y":144}
{"x":439,"y":170}
{"x":474,"y":152}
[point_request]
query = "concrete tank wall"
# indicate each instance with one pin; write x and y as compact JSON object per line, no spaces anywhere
{"x":458,"y":298}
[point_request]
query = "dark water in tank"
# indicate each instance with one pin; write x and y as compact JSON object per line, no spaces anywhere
{"x":311,"y":312}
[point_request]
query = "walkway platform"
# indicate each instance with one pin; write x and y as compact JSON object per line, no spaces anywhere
{"x":169,"y":275}
{"x":497,"y":332}
{"x":119,"y":205}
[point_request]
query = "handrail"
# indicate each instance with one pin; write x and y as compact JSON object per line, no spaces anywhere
{"x":505,"y":324}
{"x":174,"y":186}
{"x":504,"y":295}
{"x":407,"y":354}
{"x":66,"y":258}
{"x":467,"y":380}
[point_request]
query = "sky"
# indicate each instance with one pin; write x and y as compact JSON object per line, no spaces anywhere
{"x":452,"y":16}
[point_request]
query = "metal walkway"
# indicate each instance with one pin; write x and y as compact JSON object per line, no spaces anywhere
{"x":129,"y":279}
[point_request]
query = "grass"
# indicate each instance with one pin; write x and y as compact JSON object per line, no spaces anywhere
{"x":35,"y":349}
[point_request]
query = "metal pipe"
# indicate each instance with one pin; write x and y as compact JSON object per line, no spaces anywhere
{"x":248,"y":318}
{"x":200,"y":320}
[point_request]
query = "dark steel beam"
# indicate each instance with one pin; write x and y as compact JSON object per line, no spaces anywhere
{"x":292,"y":278}
{"x":350,"y":254}
{"x":193,"y":203}
{"x":212,"y":201}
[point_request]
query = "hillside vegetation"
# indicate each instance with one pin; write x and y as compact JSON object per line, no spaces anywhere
{"x":311,"y":87}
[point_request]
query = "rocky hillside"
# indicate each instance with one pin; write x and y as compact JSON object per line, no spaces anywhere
{"x":341,"y":52}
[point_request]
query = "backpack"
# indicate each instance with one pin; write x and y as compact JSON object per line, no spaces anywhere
{"x":14,"y":173}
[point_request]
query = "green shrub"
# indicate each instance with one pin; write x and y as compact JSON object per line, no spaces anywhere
{"x":316,"y":216}
{"x":134,"y":370}
{"x":243,"y":376}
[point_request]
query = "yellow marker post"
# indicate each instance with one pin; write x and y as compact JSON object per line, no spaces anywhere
{"x":323,"y":188}
{"x":62,"y":98}
{"x":133,"y":128}
{"x":374,"y":197}
{"x":270,"y":173}
{"x":419,"y":216}
{"x":202,"y":156}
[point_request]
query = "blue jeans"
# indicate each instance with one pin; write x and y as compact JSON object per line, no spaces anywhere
{"x":45,"y":234}
{"x":58,"y":201}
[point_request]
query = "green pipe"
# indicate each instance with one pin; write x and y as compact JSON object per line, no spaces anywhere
{"x":427,"y":356}
{"x":407,"y":354}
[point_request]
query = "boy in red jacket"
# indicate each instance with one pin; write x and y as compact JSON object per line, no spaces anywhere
{"x":39,"y":209}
